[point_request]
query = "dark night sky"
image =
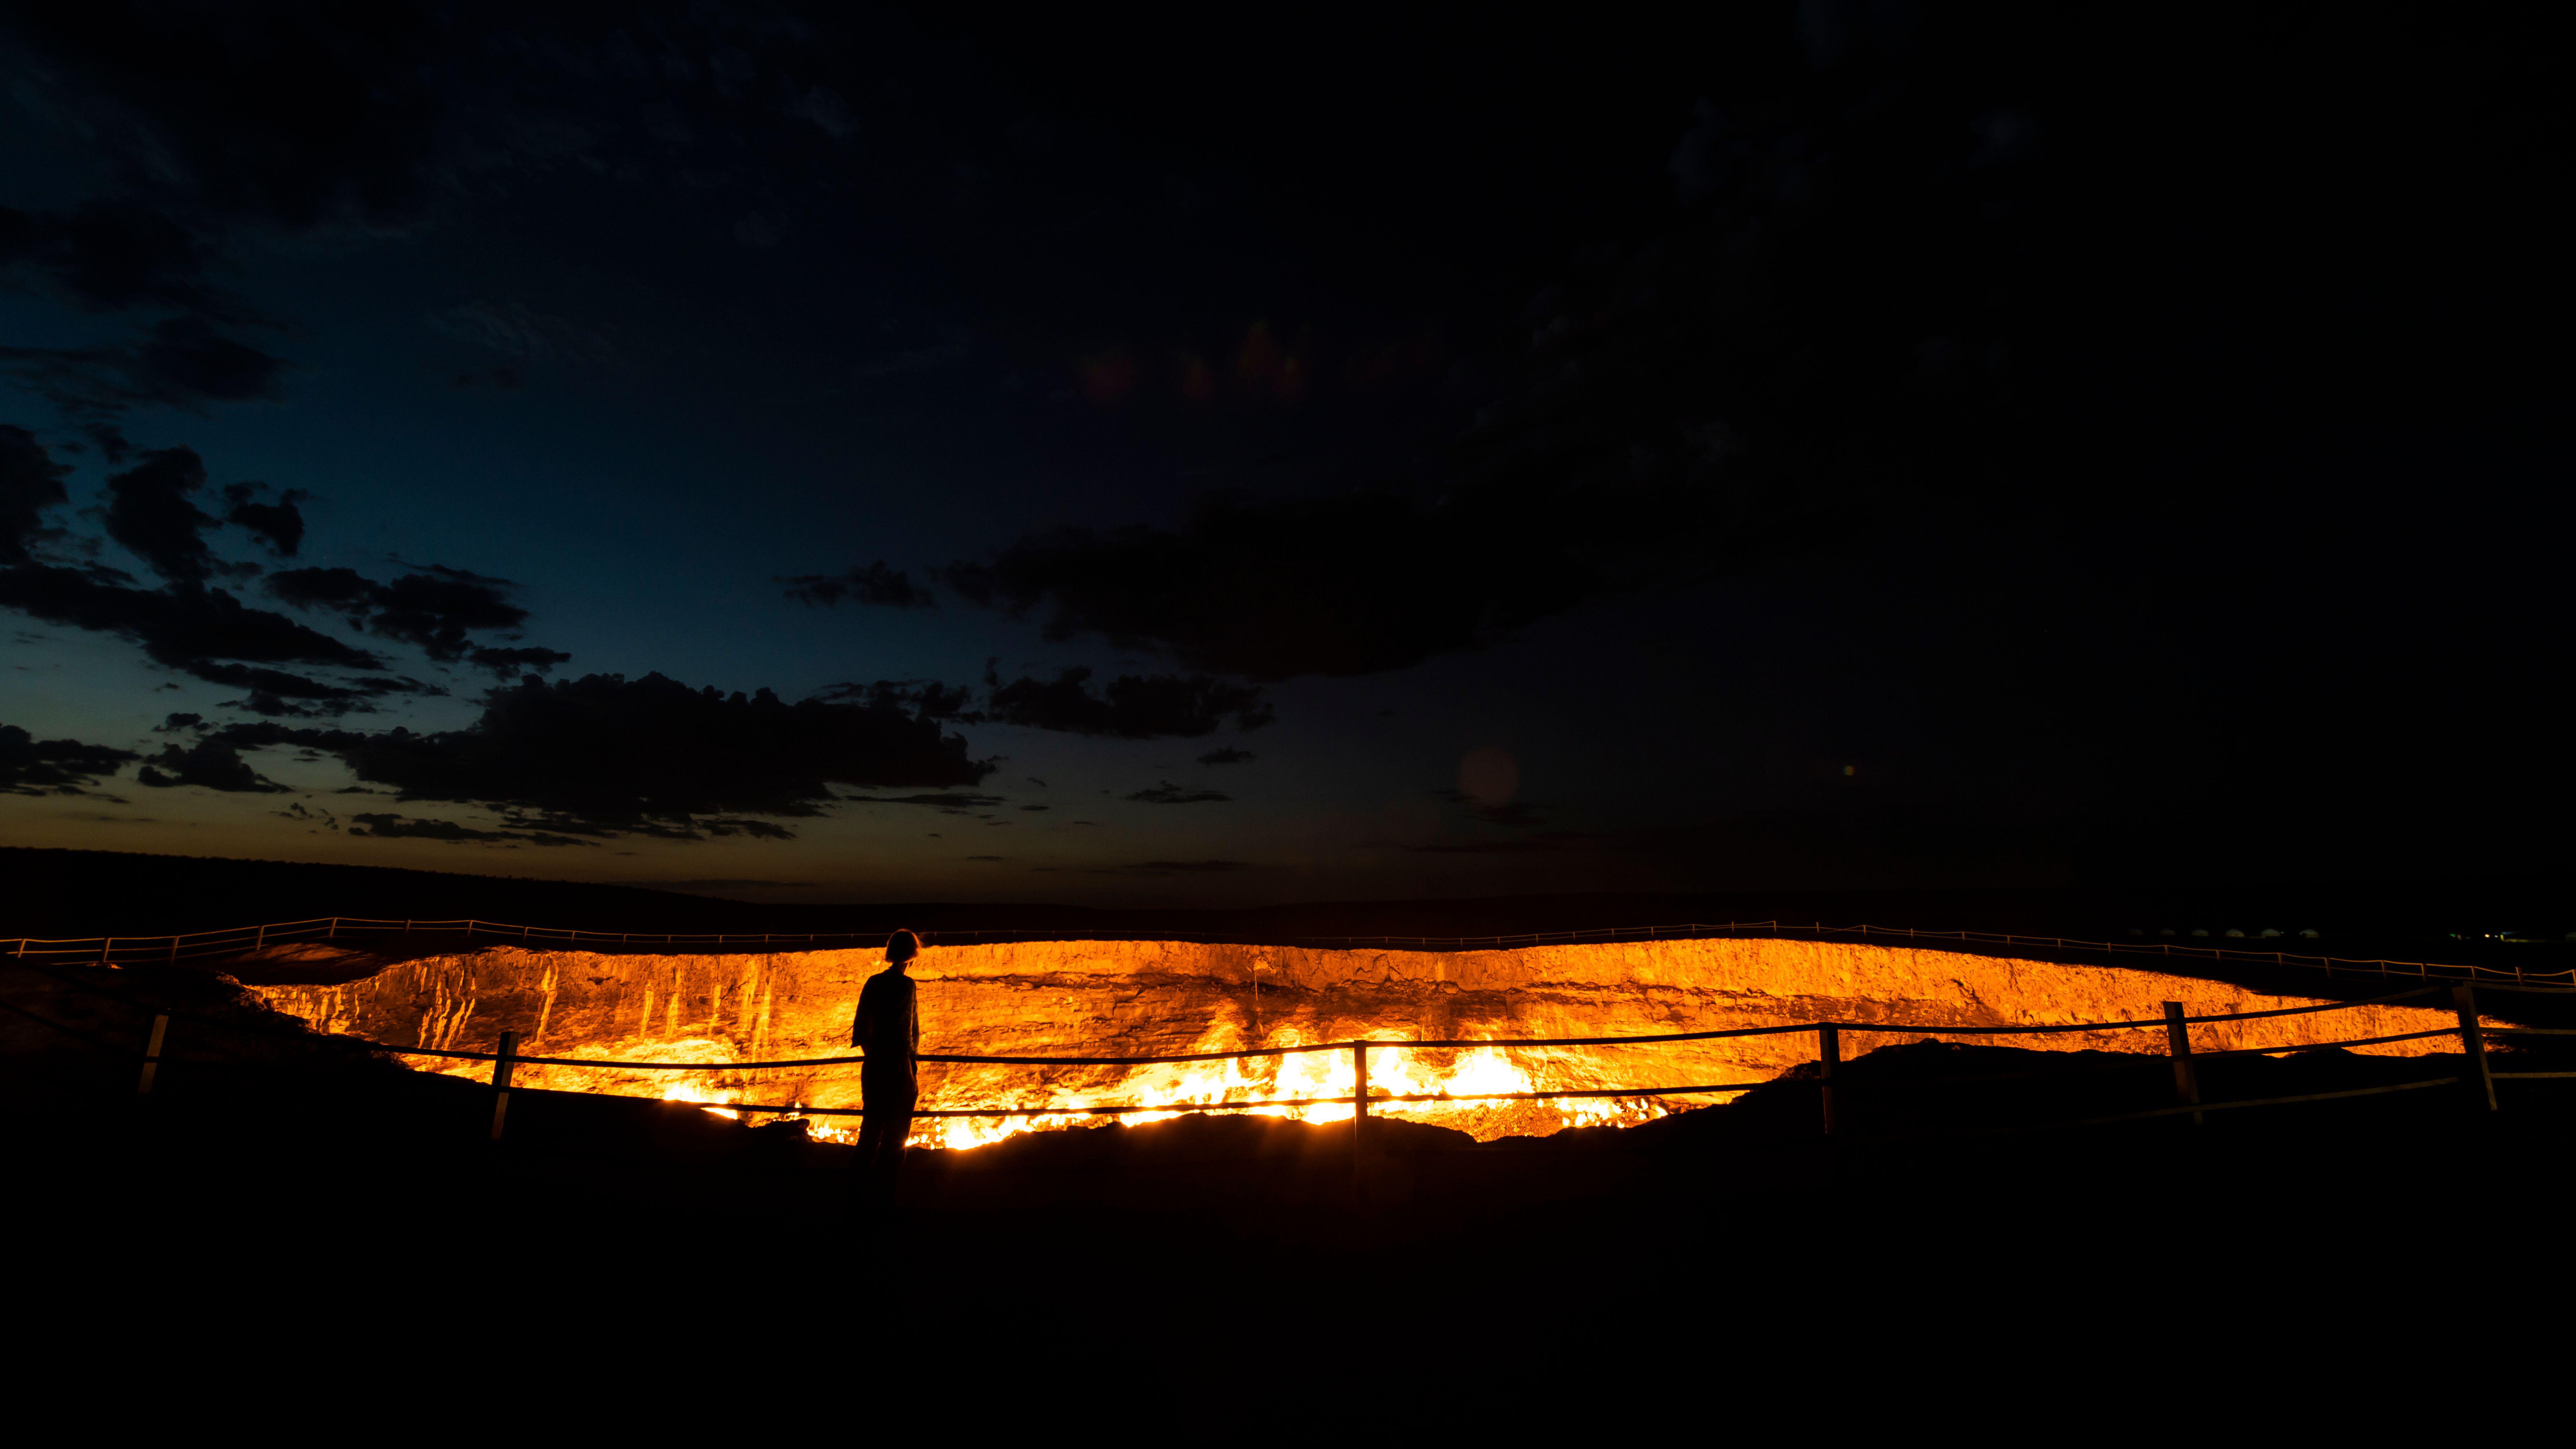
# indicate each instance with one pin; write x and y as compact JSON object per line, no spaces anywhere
{"x":1830,"y":444}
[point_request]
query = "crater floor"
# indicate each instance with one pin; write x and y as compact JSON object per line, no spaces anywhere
{"x":1137,"y":998}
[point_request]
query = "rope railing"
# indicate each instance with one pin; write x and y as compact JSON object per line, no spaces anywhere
{"x":239,"y":941}
{"x":2471,"y":1031}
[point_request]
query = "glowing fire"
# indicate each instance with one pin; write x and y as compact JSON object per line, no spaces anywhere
{"x":1164,"y":1090}
{"x":1159,"y":1091}
{"x":708,"y":1015}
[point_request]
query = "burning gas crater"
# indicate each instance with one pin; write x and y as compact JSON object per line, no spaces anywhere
{"x":1163,"y":998}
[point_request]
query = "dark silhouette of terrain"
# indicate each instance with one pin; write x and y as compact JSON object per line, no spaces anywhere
{"x":63,"y":893}
{"x":274,"y":1170}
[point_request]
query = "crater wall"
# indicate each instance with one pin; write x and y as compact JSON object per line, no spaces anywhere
{"x":1133,"y":998}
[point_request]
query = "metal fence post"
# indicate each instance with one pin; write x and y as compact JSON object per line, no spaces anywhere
{"x":1359,"y":1110}
{"x":2178,"y":1046}
{"x":152,"y":1055}
{"x":1829,"y":1053}
{"x":501,"y":1064}
{"x":334,"y":933}
{"x":2473,"y":1040}
{"x":106,"y":949}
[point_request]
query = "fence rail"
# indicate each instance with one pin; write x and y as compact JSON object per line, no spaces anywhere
{"x":2472,"y":1032}
{"x":234,"y":943}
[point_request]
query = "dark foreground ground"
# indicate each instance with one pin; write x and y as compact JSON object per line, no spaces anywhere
{"x":281,"y":1198}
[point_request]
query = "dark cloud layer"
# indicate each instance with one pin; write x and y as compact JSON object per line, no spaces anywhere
{"x":212,"y":764}
{"x":185,"y":627}
{"x":433,"y":610}
{"x":507,"y":662}
{"x":289,"y":115}
{"x":385,"y":826}
{"x":30,"y":766}
{"x":1130,"y":707}
{"x":30,"y":482}
{"x":926,"y":697}
{"x":949,"y":802}
{"x":1916,"y":282}
{"x":1136,"y":707}
{"x":150,"y":512}
{"x":1272,"y":590}
{"x":607,"y":755}
{"x":188,"y":624}
{"x":280,"y":525}
{"x":1168,"y":793}
{"x":887,"y":588}
{"x":179,"y":362}
{"x":107,"y":256}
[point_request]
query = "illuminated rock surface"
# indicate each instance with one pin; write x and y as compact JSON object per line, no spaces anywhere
{"x":1137,"y":998}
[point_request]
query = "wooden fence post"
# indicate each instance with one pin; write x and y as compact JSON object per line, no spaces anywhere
{"x":2479,"y":1080}
{"x":1359,"y":1112}
{"x":501,"y":1065}
{"x":2178,"y":1046}
{"x":1829,"y":1054}
{"x":152,"y":1055}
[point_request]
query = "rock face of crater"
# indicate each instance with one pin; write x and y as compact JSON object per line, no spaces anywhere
{"x":1138,"y":998}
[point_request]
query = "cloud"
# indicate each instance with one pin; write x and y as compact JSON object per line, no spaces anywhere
{"x":30,"y":482}
{"x":211,"y":763}
{"x":279,"y":524}
{"x":515,"y":330}
{"x":606,"y":755}
{"x":1187,"y":867}
{"x":293,"y":116}
{"x":1272,"y":590}
{"x":149,"y":512}
{"x":382,"y":826}
{"x":823,"y":106}
{"x":947,"y":802}
{"x":30,"y":766}
{"x":107,"y":256}
{"x":206,"y":632}
{"x":181,"y":362}
{"x":346,"y":590}
{"x":1227,"y":756}
{"x":506,"y":662}
{"x":195,"y":629}
{"x":920,"y":696}
{"x":1130,"y":707}
{"x":876,"y":584}
{"x":1545,"y":843}
{"x":1168,"y":793}
{"x":433,"y":610}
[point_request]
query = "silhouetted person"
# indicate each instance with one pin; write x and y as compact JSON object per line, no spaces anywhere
{"x":888,"y":1031}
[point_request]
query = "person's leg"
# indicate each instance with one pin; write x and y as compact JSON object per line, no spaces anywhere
{"x":887,"y":1159}
{"x":876,"y":1123}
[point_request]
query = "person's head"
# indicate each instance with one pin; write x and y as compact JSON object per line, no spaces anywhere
{"x":902,"y":946}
